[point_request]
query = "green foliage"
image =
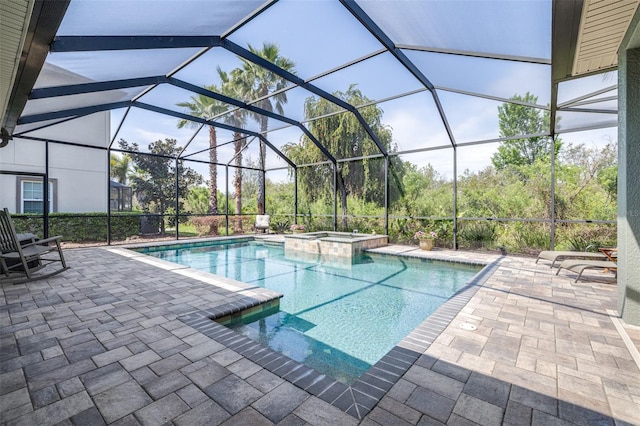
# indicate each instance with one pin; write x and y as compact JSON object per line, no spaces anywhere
{"x":280,"y":225}
{"x":525,"y":237}
{"x":313,"y":221}
{"x":154,"y":182}
{"x":505,"y":194}
{"x":422,"y":199}
{"x":342,"y":134}
{"x":197,"y":201}
{"x":586,"y":183}
{"x":250,"y":184}
{"x":120,"y":167}
{"x":83,"y":227}
{"x":477,"y":234}
{"x":579,"y":243}
{"x":425,"y":192}
{"x":188,"y":230}
{"x":608,"y":179}
{"x":280,"y":198}
{"x":581,"y":237}
{"x":517,"y":119}
{"x":400,"y":228}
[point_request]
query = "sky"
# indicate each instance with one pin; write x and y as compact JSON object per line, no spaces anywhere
{"x":320,"y":35}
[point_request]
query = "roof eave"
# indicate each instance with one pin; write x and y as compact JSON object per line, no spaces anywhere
{"x":43,"y":24}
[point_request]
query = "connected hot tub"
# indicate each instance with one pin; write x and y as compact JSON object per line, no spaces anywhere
{"x":341,"y":244}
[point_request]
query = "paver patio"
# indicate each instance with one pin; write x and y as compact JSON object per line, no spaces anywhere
{"x":108,"y":342}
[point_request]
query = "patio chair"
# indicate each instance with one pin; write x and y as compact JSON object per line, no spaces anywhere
{"x":579,"y":266}
{"x":555,"y":256}
{"x":262,"y":223}
{"x":22,"y":257}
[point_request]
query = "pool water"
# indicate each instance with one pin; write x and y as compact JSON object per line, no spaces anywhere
{"x":335,"y":317}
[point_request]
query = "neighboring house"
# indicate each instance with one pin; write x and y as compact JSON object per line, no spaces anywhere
{"x":77,"y":176}
{"x":120,"y":197}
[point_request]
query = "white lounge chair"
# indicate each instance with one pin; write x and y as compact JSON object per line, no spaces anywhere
{"x":555,"y":256}
{"x":579,"y":266}
{"x":21,"y":257}
{"x":262,"y":223}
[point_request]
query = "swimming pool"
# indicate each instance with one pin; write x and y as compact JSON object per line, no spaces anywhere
{"x":337,"y":317}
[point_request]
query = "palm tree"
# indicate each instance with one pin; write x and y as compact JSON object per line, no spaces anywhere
{"x":204,"y":107}
{"x":231,"y":86}
{"x":255,"y":82}
{"x":120,"y":166}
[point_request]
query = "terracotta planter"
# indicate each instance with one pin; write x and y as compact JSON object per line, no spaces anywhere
{"x":426,"y":244}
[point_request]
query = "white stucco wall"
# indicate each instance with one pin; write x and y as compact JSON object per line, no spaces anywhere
{"x":23,"y":157}
{"x":8,"y":192}
{"x":82,"y":178}
{"x":80,"y":173}
{"x":90,"y":130}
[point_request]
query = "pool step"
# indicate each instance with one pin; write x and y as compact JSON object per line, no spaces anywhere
{"x":270,"y":241}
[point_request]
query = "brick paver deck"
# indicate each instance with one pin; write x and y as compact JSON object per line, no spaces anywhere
{"x":109,"y":342}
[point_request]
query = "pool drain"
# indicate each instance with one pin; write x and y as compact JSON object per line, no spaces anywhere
{"x":468,"y":326}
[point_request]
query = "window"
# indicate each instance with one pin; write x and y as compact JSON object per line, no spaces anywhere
{"x":32,"y":196}
{"x":120,"y":197}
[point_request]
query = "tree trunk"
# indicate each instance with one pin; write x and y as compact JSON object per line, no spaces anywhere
{"x":237,"y":177}
{"x":213,"y":171}
{"x":261,"y":165}
{"x":343,"y":199}
{"x":161,"y":217}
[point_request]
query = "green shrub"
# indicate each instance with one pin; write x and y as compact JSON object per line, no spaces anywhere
{"x":525,"y":237}
{"x":579,"y":243}
{"x":478,"y":235}
{"x":280,"y":225}
{"x":581,"y":237}
{"x":400,"y":230}
{"x":75,"y":227}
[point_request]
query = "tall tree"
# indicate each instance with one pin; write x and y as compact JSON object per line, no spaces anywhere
{"x":344,"y":137}
{"x":515,"y":120}
{"x":232,"y":86}
{"x":154,"y":182}
{"x":256,"y":84}
{"x":204,"y":107}
{"x":120,"y":167}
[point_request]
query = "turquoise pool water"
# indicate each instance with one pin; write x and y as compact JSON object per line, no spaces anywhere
{"x":335,"y":317}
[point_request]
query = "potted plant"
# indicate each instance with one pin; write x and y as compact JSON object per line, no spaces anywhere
{"x":425,"y":238}
{"x":298,"y":228}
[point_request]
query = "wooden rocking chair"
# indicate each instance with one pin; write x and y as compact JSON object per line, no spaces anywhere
{"x":20,"y":259}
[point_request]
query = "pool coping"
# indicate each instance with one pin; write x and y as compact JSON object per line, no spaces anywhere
{"x":357,"y":399}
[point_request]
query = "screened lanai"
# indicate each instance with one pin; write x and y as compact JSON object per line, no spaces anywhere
{"x":493,"y":123}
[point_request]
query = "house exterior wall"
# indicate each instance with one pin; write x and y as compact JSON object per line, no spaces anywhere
{"x":19,"y":156}
{"x":82,"y":178}
{"x":80,"y":174}
{"x":629,"y":175}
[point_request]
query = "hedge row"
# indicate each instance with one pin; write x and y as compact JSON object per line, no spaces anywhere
{"x":76,"y":227}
